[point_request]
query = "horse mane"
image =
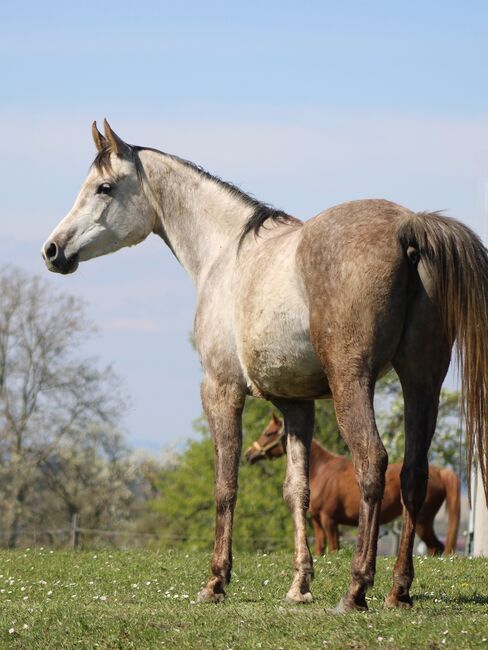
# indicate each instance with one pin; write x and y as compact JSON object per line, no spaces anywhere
{"x":102,"y":159}
{"x":261,"y":211}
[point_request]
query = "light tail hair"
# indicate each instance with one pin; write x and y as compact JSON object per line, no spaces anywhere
{"x":457,"y":263}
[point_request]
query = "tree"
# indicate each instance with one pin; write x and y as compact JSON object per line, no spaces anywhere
{"x":49,"y":395}
{"x":89,"y":474}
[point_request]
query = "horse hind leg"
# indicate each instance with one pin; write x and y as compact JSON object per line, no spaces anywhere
{"x":352,"y":356}
{"x":421,"y":361}
{"x":353,"y":399}
{"x":425,"y":530}
{"x":356,"y":339}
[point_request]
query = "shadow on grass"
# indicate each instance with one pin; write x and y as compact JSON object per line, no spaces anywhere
{"x":474,"y":599}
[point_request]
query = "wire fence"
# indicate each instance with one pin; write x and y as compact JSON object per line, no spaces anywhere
{"x":74,"y":536}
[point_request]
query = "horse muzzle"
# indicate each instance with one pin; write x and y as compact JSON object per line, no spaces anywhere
{"x":56,"y":260}
{"x":253,"y":455}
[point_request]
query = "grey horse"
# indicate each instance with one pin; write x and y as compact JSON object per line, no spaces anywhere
{"x":361,"y":287}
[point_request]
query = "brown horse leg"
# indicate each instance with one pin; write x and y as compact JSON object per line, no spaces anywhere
{"x":331,"y":530}
{"x":425,"y":530}
{"x":299,"y":421}
{"x":223,"y":407}
{"x":421,"y":362}
{"x":353,"y":401}
{"x":319,"y":535}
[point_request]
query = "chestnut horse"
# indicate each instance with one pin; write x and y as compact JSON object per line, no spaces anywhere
{"x":359,"y":288}
{"x":335,"y":497}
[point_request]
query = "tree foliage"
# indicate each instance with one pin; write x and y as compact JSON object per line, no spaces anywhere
{"x":89,"y":474}
{"x":59,"y":451}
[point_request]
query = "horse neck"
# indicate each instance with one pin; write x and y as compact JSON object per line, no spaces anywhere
{"x":197,"y":216}
{"x":318,"y":458}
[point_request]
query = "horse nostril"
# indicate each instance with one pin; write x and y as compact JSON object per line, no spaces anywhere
{"x":51,"y":251}
{"x":250,"y":457}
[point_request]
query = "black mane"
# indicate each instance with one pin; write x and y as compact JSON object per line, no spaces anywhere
{"x":261,"y":211}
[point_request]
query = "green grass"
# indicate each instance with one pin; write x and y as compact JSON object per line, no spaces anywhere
{"x":142,"y":599}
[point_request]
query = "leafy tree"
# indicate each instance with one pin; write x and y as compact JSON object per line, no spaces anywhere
{"x":89,"y":474}
{"x":50,"y":397}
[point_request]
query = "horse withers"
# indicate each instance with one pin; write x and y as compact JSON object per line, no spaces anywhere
{"x":361,"y":287}
{"x":335,"y":496}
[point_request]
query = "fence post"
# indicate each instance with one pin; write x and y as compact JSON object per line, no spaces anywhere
{"x":74,"y":531}
{"x":480,"y":517}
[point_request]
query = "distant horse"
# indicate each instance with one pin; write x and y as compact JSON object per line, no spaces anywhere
{"x":361,"y":287}
{"x":335,"y":497}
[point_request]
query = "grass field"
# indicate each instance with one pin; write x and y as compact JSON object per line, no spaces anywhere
{"x":139,"y":599}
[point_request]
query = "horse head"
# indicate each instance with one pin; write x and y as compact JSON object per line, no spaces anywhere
{"x":270,"y":444}
{"x":110,"y":212}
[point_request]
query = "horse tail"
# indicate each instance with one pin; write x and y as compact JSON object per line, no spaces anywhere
{"x":452,"y":485}
{"x":456,"y":263}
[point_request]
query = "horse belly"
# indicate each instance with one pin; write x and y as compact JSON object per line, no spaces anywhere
{"x":292,"y":382}
{"x":272,"y":326}
{"x":284,"y":363}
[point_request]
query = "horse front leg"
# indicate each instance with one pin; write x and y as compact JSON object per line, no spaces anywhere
{"x":331,"y":531}
{"x":319,"y":536}
{"x":299,"y":420}
{"x":223,"y":406}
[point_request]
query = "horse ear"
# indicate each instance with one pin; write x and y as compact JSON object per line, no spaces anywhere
{"x":276,"y":419}
{"x":118,"y":146}
{"x":99,"y":140}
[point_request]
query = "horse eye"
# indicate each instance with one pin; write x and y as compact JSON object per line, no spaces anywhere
{"x":104,"y":188}
{"x":268,"y":433}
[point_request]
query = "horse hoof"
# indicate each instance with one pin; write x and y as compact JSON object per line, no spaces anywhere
{"x":208,"y":596}
{"x":346,"y":607}
{"x":296,"y":597}
{"x":403,"y":602}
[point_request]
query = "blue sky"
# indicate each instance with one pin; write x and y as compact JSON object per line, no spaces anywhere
{"x":302,"y":104}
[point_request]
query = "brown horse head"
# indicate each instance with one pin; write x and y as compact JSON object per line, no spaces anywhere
{"x":270,"y":444}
